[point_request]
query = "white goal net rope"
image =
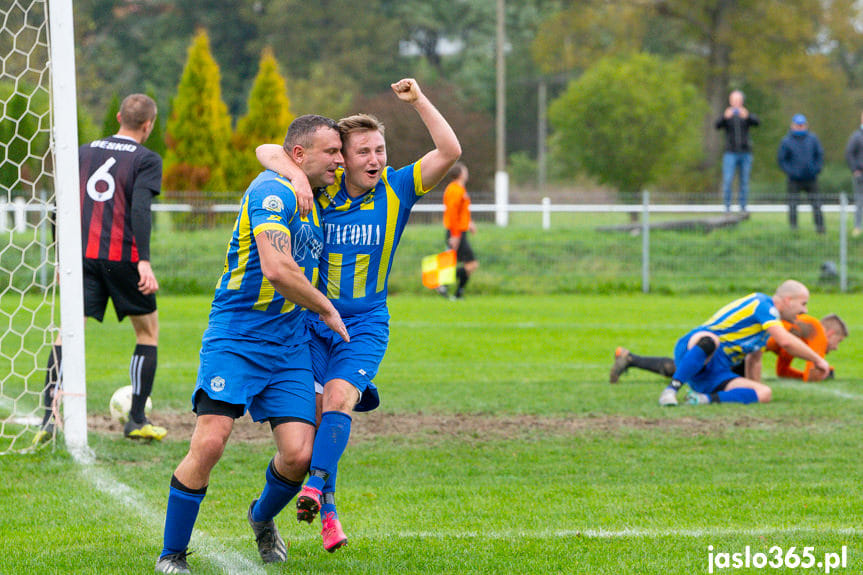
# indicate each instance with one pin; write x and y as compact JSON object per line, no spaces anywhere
{"x":28,"y":289}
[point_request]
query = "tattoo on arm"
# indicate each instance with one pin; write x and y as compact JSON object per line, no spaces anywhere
{"x":279,"y":240}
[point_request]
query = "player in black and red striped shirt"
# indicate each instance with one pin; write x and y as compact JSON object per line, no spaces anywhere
{"x":118,"y":179}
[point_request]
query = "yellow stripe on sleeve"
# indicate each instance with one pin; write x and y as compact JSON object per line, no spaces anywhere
{"x":361,"y":274}
{"x":270,"y":226}
{"x":418,"y":180}
{"x":334,"y":275}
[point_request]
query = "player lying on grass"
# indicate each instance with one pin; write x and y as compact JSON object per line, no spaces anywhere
{"x":705,"y":357}
{"x":823,"y":336}
{"x":364,"y":215}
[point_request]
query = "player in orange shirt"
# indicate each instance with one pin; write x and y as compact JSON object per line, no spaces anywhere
{"x":822,"y":336}
{"x":458,"y":224}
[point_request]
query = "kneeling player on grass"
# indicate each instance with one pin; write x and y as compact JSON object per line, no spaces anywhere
{"x":255,"y":353}
{"x":822,"y":336}
{"x":705,"y":357}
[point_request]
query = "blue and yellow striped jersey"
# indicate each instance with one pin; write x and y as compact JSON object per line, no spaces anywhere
{"x":360,"y":238}
{"x":742,"y":324}
{"x":246,"y":302}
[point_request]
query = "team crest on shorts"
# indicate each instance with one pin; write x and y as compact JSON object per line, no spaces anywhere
{"x":217,"y":383}
{"x":273,"y":204}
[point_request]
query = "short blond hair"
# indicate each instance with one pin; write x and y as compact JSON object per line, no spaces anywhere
{"x":359,"y":123}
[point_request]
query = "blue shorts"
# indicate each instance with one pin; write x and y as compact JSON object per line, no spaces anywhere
{"x":268,"y":379}
{"x":716,"y":372}
{"x":357,"y":361}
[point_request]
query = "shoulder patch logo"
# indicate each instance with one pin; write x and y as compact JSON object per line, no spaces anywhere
{"x":217,"y":383}
{"x":273,"y":204}
{"x":773,"y":311}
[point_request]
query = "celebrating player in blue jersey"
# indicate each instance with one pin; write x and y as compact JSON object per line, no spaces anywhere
{"x":255,"y":352}
{"x":364,"y":215}
{"x":705,"y":357}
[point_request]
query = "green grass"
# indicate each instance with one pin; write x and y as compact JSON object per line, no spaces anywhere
{"x":499,"y":446}
{"x":574,"y":256}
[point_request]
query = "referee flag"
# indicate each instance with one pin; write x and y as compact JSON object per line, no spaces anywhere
{"x":439,"y":269}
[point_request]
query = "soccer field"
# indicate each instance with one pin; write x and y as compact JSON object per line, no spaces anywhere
{"x":499,"y":447}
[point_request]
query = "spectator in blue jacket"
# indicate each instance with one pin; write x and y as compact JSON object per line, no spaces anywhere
{"x":801,"y":157}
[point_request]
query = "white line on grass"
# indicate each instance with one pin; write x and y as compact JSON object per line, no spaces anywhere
{"x":823,"y":390}
{"x":7,"y":407}
{"x":531,"y":325}
{"x":625,"y":533}
{"x":227,"y":560}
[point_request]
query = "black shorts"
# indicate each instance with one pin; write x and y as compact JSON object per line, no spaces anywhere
{"x":203,"y":404}
{"x":105,"y":279}
{"x":464,"y":253}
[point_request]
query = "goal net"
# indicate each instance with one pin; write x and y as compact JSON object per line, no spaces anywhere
{"x":38,"y":191}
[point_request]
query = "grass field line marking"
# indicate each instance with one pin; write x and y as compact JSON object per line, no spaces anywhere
{"x":824,"y":390}
{"x":413,"y":324}
{"x":227,"y":560}
{"x":624,"y":533}
{"x":7,"y":410}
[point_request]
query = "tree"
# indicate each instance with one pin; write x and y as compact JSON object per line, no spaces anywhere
{"x":23,"y":138}
{"x":354,"y":41}
{"x":267,"y":121}
{"x":770,"y":46}
{"x":408,"y":139}
{"x":625,"y":119}
{"x":156,"y":141}
{"x":199,"y":129}
{"x":109,"y":121}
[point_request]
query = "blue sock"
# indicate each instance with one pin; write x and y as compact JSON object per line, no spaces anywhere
{"x":690,"y":364}
{"x":278,"y":491}
{"x":183,"y":505}
{"x":330,"y":442}
{"x":328,"y":499}
{"x":328,"y":506}
{"x":739,"y":395}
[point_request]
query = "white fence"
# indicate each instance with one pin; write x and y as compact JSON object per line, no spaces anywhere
{"x":14,"y":216}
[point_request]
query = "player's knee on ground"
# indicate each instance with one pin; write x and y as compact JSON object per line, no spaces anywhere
{"x":764,"y":393}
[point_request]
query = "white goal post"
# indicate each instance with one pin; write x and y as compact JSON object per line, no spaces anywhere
{"x":38,"y":171}
{"x":65,"y":145}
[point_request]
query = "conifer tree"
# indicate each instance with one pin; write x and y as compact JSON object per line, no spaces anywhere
{"x":156,"y":141}
{"x":109,"y":121}
{"x":199,"y":129}
{"x":267,"y":120}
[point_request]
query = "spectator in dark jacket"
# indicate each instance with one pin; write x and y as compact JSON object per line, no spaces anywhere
{"x":736,"y":121}
{"x":854,"y":158}
{"x":801,"y":157}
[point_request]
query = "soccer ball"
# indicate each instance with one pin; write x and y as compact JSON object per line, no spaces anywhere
{"x":121,"y":403}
